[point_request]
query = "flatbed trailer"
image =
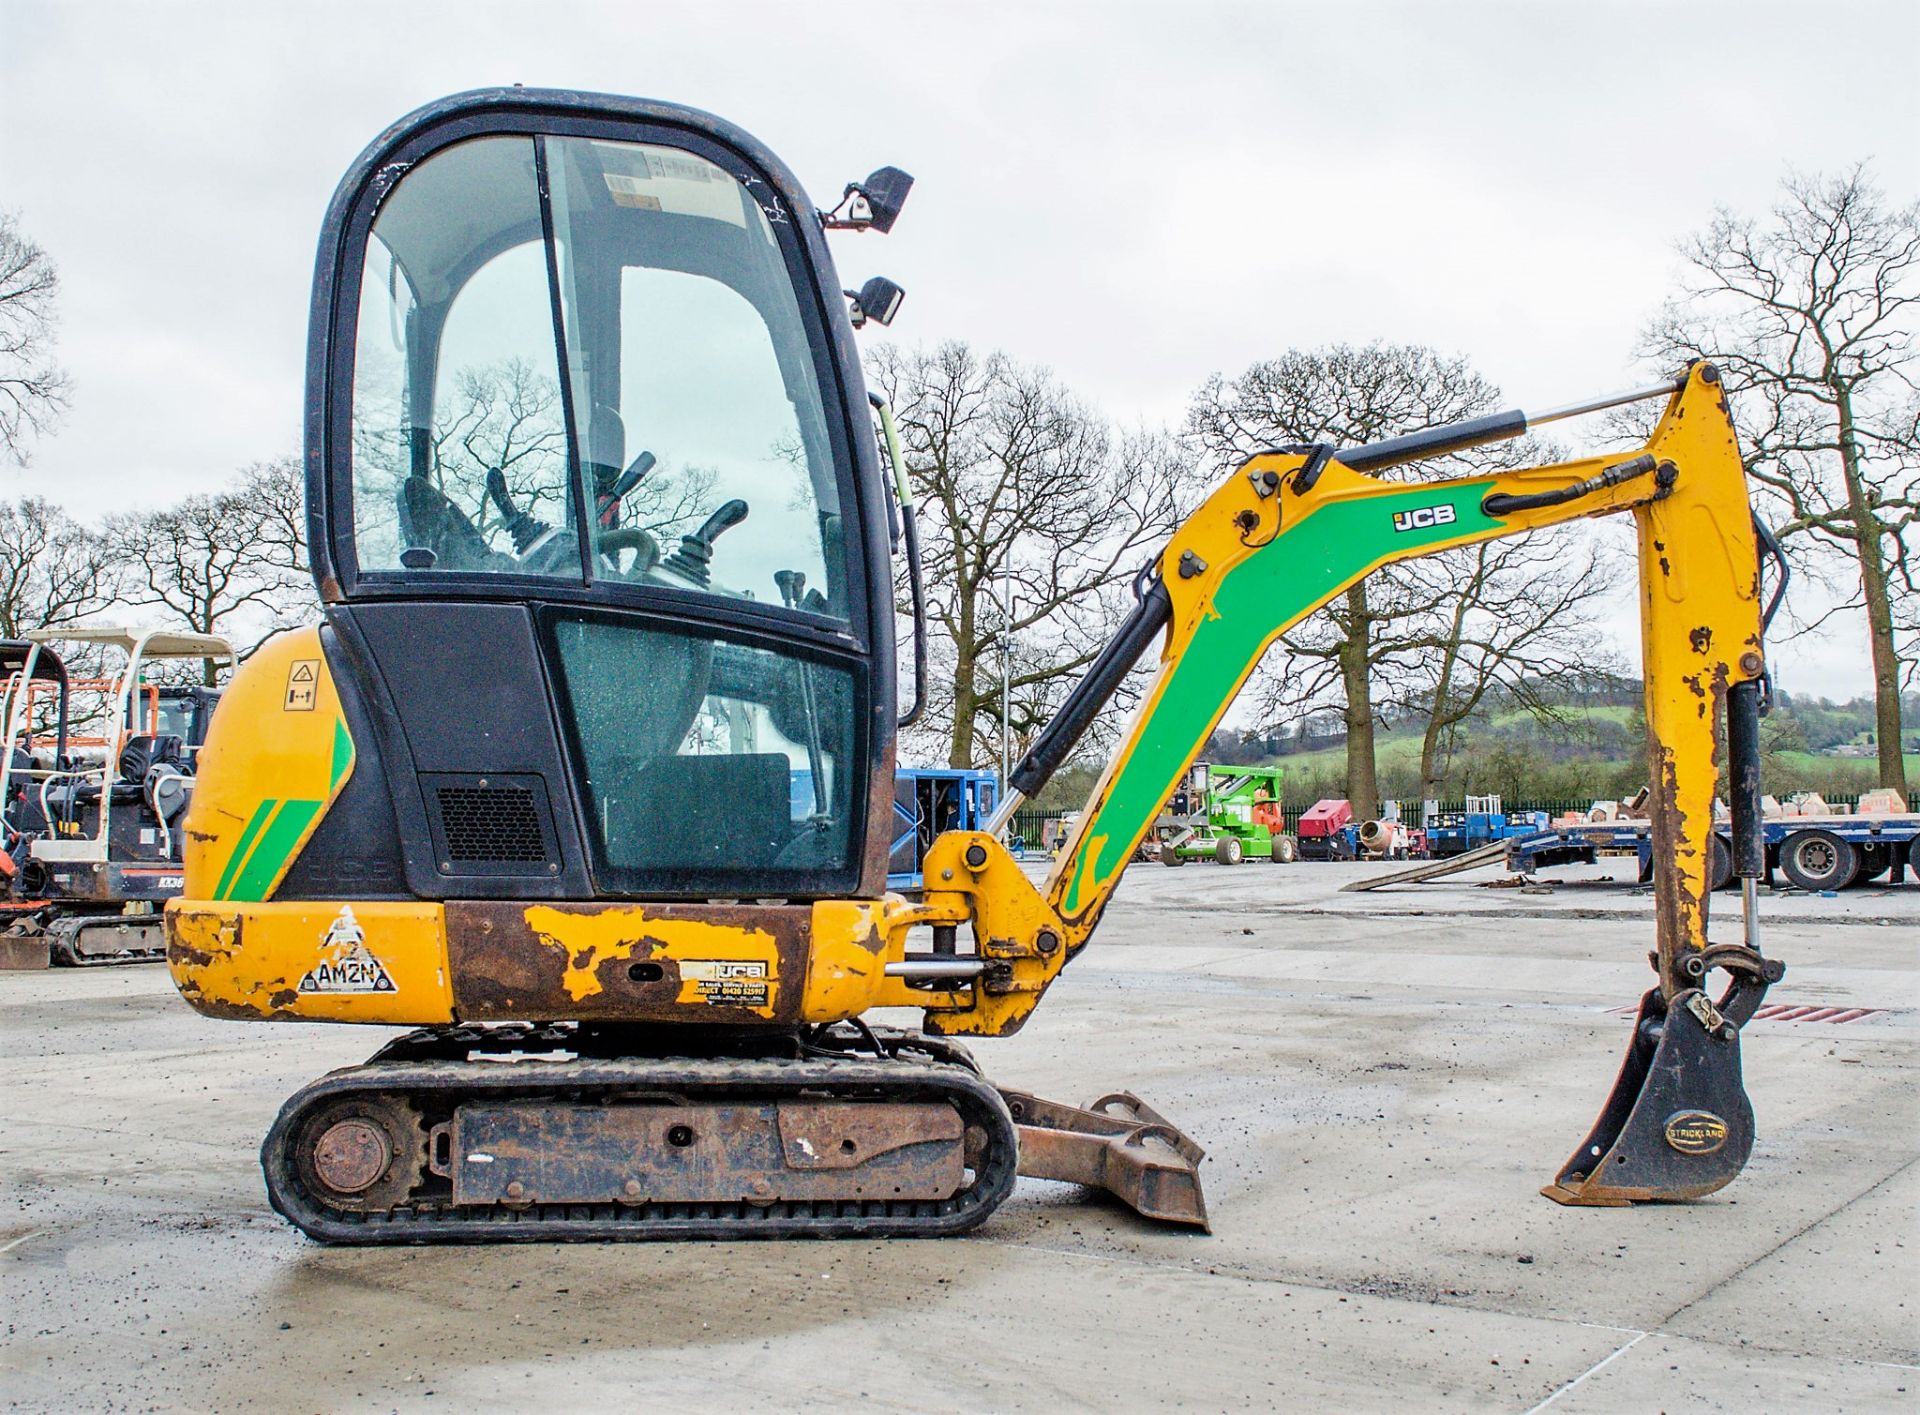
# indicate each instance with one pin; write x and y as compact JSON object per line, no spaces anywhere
{"x":1817,"y":853}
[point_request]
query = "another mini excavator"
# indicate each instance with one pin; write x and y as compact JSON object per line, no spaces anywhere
{"x":94,"y":789}
{"x":588,"y":774}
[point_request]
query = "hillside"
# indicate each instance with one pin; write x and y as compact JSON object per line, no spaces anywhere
{"x":1592,"y":748}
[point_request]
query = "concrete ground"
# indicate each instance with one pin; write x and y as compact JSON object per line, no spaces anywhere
{"x":1383,"y":1080}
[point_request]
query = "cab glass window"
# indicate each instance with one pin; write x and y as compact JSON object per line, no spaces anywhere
{"x":668,"y":397}
{"x":707,"y":761}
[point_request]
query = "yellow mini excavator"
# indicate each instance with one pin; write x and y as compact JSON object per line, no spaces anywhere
{"x":587,"y":776}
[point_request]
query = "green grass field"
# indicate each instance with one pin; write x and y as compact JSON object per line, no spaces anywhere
{"x":1397,"y":758}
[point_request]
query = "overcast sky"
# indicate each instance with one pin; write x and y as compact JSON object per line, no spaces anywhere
{"x":1138,"y":195}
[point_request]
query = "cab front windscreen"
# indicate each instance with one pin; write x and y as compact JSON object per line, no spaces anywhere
{"x":585,"y":361}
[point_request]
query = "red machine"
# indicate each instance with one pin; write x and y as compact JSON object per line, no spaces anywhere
{"x":1321,"y":827}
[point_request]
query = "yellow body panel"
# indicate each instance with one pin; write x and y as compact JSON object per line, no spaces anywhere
{"x":370,"y":961}
{"x":388,"y":963}
{"x":276,"y":756}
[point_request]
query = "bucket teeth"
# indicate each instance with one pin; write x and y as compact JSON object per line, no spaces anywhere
{"x":1119,"y":1144}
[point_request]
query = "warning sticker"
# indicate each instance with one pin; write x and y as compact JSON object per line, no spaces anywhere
{"x":345,"y":965}
{"x":728,"y":982}
{"x":303,"y":684}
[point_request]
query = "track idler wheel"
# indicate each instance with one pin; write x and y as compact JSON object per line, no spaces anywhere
{"x":361,"y":1155}
{"x":1678,"y":1124}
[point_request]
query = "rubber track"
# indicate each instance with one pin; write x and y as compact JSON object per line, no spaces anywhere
{"x":442,"y":1085}
{"x":65,"y":952}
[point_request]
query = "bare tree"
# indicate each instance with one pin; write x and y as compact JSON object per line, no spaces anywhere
{"x":221,"y":563}
{"x":276,"y":494}
{"x":53,"y":571}
{"x":33,"y":388}
{"x":1812,"y":316}
{"x":1513,"y":616}
{"x":1437,"y":633}
{"x":1028,"y":498}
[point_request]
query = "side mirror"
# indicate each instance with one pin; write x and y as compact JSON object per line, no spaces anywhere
{"x":879,"y":299}
{"x":872,"y":205}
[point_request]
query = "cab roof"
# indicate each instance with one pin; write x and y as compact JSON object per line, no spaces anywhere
{"x":151,"y":643}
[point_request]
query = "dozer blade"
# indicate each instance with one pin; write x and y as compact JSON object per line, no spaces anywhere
{"x":1678,"y":1124}
{"x":1118,"y":1144}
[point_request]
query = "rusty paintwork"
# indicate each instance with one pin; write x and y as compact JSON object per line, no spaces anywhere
{"x":351,"y":1155}
{"x":532,"y":1151}
{"x":720,"y":963}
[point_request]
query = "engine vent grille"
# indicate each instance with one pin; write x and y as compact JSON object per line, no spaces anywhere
{"x":493,"y":825}
{"x":490,"y":824}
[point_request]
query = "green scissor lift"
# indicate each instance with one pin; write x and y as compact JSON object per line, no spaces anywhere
{"x":1227,"y":814}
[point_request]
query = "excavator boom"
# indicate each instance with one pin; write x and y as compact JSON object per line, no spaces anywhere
{"x":1291,"y":530}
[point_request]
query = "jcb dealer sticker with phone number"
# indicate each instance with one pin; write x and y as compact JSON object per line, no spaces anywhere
{"x":728,"y":982}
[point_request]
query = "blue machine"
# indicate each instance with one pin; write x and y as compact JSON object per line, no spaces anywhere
{"x":1481,"y":823}
{"x":928,"y":801}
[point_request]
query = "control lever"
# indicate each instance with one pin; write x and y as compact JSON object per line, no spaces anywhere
{"x":522,"y":527}
{"x":692,"y":561}
{"x":606,"y":500}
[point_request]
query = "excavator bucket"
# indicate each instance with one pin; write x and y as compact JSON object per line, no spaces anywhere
{"x":1119,"y":1144}
{"x":1678,"y":1124}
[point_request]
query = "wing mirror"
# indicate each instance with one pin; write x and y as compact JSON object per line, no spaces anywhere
{"x":872,"y":205}
{"x":879,"y":299}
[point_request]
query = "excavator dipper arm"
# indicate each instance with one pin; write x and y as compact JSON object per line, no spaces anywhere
{"x":1288,"y":532}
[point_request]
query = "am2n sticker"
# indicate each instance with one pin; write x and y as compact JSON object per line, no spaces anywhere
{"x":345,"y":966}
{"x":1425,"y":518}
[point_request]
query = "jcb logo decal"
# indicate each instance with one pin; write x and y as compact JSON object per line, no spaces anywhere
{"x":1424,"y":519}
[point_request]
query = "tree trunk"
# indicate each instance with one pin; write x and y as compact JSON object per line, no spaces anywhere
{"x":1438,"y":716}
{"x":1873,"y":591}
{"x":1363,"y":786}
{"x":960,"y":754}
{"x":1429,"y":752}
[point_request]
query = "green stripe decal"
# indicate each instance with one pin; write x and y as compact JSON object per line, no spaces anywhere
{"x":342,"y":757}
{"x":239,"y":855}
{"x":1290,"y":577}
{"x":276,"y":845}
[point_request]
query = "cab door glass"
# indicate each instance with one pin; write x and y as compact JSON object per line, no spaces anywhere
{"x":693,"y":380}
{"x":708,"y":761}
{"x":460,"y":438}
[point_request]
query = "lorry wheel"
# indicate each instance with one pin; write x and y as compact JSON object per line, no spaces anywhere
{"x":1170,"y":856}
{"x":1719,"y":863}
{"x":1818,"y":860}
{"x":1286,"y":850}
{"x":1227,"y":850}
{"x":1913,"y":858}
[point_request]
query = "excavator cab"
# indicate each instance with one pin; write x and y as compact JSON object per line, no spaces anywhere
{"x":598,"y":500}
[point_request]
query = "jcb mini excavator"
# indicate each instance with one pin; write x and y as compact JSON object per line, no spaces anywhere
{"x":588,"y":774}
